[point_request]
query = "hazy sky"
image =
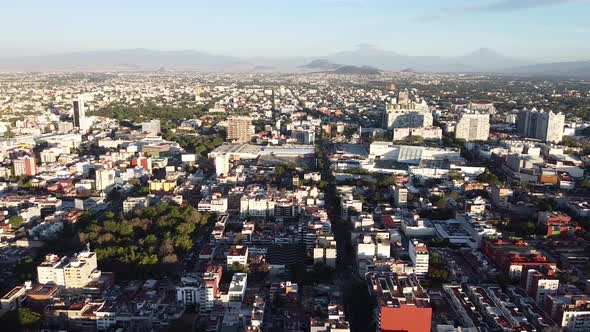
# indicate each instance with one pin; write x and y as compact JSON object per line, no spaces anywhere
{"x":544,"y":30}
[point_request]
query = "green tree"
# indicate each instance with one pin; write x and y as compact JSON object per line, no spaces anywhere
{"x":29,"y":319}
{"x":24,"y":269}
{"x":16,"y":222}
{"x":239,"y":268}
{"x":489,"y":178}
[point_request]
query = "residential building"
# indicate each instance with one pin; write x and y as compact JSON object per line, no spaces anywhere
{"x":473,"y":127}
{"x":135,"y":203}
{"x":557,"y":223}
{"x":239,"y":129}
{"x":151,"y":127}
{"x":51,"y":270}
{"x":104,"y":178}
{"x":237,"y":287}
{"x":500,"y":196}
{"x":545,"y":126}
{"x":571,"y":312}
{"x":25,"y":166}
{"x":324,"y":250}
{"x":402,"y":304}
{"x":78,"y":272}
{"x":400,"y":195}
{"x":238,"y":254}
{"x":420,"y":256}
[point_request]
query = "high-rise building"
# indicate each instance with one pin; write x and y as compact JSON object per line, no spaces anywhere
{"x":405,"y":112}
{"x":402,"y":304}
{"x":473,"y":127}
{"x":26,"y":165}
{"x":79,"y":112}
{"x":239,"y":128}
{"x":545,"y":126}
{"x":419,"y":256}
{"x":81,"y":121}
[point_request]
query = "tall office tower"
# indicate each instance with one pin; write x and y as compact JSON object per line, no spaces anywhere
{"x":546,"y":126}
{"x":79,"y":112}
{"x":25,"y":166}
{"x":473,"y":127}
{"x":239,"y":128}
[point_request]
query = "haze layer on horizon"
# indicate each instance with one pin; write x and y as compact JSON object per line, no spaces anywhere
{"x":541,"y":30}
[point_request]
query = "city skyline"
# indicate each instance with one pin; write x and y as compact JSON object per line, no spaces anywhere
{"x":537,"y":31}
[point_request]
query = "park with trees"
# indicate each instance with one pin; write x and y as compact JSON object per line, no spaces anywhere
{"x":147,"y":244}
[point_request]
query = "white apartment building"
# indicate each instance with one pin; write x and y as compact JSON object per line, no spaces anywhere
{"x":400,"y":195}
{"x":213,"y":203}
{"x":151,"y":127}
{"x":51,"y":270}
{"x":369,"y":246}
{"x":256,"y":206}
{"x":545,"y":287}
{"x":78,"y":272}
{"x":237,"y":287}
{"x":576,"y":320}
{"x":135,"y":203}
{"x":237,"y":254}
{"x":324,"y":250}
{"x":473,"y":127}
{"x":75,"y":272}
{"x":104,"y":178}
{"x":419,"y":256}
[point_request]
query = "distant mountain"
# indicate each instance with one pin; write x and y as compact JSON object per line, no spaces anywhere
{"x":364,"y":59}
{"x":357,"y":70}
{"x":483,"y":59}
{"x":321,"y":64}
{"x":574,"y":69}
{"x":130,"y":59}
{"x":488,"y":60}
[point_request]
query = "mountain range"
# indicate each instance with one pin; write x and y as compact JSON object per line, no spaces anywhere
{"x":366,"y":58}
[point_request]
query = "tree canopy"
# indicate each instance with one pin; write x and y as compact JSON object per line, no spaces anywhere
{"x":142,"y":245}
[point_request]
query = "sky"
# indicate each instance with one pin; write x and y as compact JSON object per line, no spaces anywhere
{"x":540,"y":30}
